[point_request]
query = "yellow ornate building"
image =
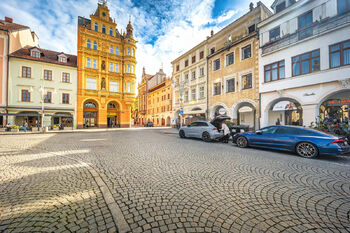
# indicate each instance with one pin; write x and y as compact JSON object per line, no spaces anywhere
{"x":106,"y":71}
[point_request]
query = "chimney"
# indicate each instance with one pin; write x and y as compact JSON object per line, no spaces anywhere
{"x":8,"y":19}
{"x":251,"y":6}
{"x":211,"y":33}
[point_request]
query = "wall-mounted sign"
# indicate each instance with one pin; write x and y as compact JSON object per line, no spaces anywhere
{"x":222,"y":111}
{"x":338,"y":102}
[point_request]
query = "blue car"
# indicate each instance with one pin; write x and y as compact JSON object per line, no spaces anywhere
{"x":305,"y":142}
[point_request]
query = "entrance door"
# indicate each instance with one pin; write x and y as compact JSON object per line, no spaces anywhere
{"x":112,"y":121}
{"x":90,"y":119}
{"x":32,"y":121}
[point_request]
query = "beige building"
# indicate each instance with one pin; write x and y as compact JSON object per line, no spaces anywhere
{"x":12,"y":37}
{"x":233,"y":85}
{"x":189,"y":78}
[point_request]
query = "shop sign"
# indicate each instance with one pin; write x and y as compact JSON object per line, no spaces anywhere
{"x":222,"y":111}
{"x":338,"y":102}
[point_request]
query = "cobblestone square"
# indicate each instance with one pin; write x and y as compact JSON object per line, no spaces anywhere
{"x":145,"y":180}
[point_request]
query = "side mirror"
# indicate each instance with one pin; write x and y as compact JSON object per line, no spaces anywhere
{"x":258,"y":132}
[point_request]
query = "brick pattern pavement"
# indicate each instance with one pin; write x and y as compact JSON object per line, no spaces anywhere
{"x":163,"y":183}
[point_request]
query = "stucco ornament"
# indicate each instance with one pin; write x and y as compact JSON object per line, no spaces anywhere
{"x":345,"y":83}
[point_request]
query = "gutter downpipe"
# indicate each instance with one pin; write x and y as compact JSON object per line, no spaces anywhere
{"x":7,"y":76}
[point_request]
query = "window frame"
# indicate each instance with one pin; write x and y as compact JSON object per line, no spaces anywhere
{"x":88,"y":62}
{"x":219,"y":84}
{"x":65,"y":96}
{"x":193,"y":59}
{"x":201,"y":55}
{"x":310,"y":62}
{"x":233,"y":59}
{"x":226,"y":85}
{"x":96,"y":27}
{"x":274,"y":30}
{"x":48,"y":75}
{"x":104,"y":29}
{"x":95,"y":46}
{"x":251,"y":86}
{"x":110,"y":31}
{"x":48,"y":97}
{"x":65,"y":77}
{"x":242,"y":53}
{"x":304,"y":17}
{"x":26,"y":72}
{"x":216,"y":66}
{"x":194,"y":93}
{"x":26,"y":96}
{"x":341,"y":54}
{"x":88,"y":44}
{"x":278,"y":70}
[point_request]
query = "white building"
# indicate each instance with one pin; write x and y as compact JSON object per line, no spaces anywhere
{"x":304,"y":62}
{"x":190,"y":83}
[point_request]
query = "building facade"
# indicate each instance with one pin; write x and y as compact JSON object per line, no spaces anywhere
{"x":42,"y":83}
{"x":190,"y":84}
{"x":12,"y":37}
{"x":305,"y":62}
{"x":106,"y":71}
{"x":142,"y":98}
{"x":159,"y":99}
{"x":233,"y":69}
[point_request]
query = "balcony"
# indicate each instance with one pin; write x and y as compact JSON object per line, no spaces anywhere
{"x":316,"y":29}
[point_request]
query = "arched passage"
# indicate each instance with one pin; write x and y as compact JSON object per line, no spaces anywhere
{"x":90,"y":109}
{"x":113,"y":110}
{"x":284,"y":111}
{"x":245,"y":114}
{"x":218,"y":109}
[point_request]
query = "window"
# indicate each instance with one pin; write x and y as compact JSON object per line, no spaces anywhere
{"x":247,"y":81}
{"x":111,"y":67}
{"x":96,"y":27}
{"x":25,"y":96}
{"x":48,"y":97}
{"x":287,"y":130}
{"x":306,"y":63}
{"x":65,"y":77}
{"x":193,"y":59}
{"x":177,"y":68}
{"x":305,"y":20}
{"x":91,"y":83}
{"x":26,"y":72}
{"x":201,"y":92}
{"x":339,"y":54}
{"x":230,"y":85}
{"x":186,"y":96}
{"x":35,"y":54}
{"x":116,"y":68}
{"x":65,"y":98}
{"x":193,"y":75}
{"x":132,"y":52}
{"x":116,"y":50}
{"x":216,"y":64}
{"x":246,"y":52}
{"x":88,"y":44}
{"x":111,"y":31}
{"x":274,"y":71}
{"x":114,"y":86}
{"x":186,"y":77}
{"x":88,"y":62}
{"x":186,"y":63}
{"x":103,"y":29}
{"x":94,"y":63}
{"x":271,"y":129}
{"x":217,"y":88}
{"x":95,"y":45}
{"x":128,"y":70}
{"x":62,"y":59}
{"x":128,"y":51}
{"x":280,"y":7}
{"x":132,"y":69}
{"x":128,"y":87}
{"x":275,"y":34}
{"x":193,"y":94}
{"x":251,"y":28}
{"x":48,"y":75}
{"x":229,"y":59}
{"x":201,"y":71}
{"x":111,"y":50}
{"x":212,"y":50}
{"x":343,"y":6}
{"x":201,"y":55}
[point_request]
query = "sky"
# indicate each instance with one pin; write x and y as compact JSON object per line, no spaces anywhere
{"x":164,"y":29}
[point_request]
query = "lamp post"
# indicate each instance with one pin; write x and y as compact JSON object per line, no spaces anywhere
{"x":42,"y":89}
{"x":180,"y":85}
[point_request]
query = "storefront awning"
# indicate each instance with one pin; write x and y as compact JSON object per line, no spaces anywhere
{"x":284,"y":105}
{"x":245,"y":109}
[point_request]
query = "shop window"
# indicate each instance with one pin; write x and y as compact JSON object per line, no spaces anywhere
{"x":216,"y":64}
{"x":246,"y":52}
{"x":229,"y":59}
{"x":26,"y":72}
{"x":339,"y":54}
{"x":247,"y":81}
{"x":306,"y":63}
{"x":48,"y":75}
{"x":230,"y":85}
{"x":274,"y":71}
{"x":217,"y":88}
{"x":25,"y":96}
{"x":65,"y":98}
{"x":274,"y":34}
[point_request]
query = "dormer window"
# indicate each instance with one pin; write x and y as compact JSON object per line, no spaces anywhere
{"x":62,"y":58}
{"x":35,"y":53}
{"x":280,"y":7}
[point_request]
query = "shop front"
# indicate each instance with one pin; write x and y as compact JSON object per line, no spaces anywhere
{"x":90,"y":114}
{"x":286,"y":112}
{"x":112,"y":115}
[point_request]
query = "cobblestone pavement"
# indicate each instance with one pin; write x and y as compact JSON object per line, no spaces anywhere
{"x":161,"y":183}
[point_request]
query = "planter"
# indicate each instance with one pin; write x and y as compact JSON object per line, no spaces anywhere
{"x":55,"y":129}
{"x":14,"y":130}
{"x":67,"y":128}
{"x":35,"y":129}
{"x":2,"y":129}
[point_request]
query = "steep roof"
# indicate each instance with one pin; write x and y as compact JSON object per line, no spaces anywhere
{"x":7,"y":26}
{"x":46,"y":56}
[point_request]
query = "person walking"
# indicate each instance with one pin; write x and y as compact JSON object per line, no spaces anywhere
{"x":226,"y":131}
{"x":278,"y":122}
{"x":25,"y":125}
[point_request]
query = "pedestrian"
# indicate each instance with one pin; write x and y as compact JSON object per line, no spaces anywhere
{"x":226,"y":131}
{"x":25,"y":125}
{"x":8,"y":127}
{"x":278,"y":122}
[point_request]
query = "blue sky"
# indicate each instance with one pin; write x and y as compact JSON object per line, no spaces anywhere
{"x":163,"y":28}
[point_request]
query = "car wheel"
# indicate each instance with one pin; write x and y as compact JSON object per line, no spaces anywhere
{"x":182,"y":134}
{"x":307,"y":150}
{"x":242,"y":142}
{"x":206,"y":137}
